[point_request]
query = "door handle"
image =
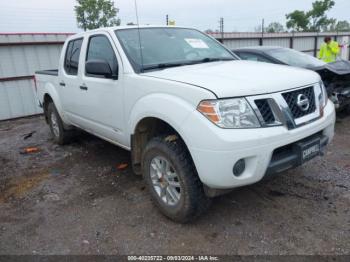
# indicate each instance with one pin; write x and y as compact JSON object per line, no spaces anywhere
{"x":62,"y":84}
{"x":83,"y":87}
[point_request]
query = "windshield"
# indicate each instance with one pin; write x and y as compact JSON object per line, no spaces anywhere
{"x":167,"y":47}
{"x":295,"y":58}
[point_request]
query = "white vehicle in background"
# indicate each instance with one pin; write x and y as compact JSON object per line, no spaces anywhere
{"x":197,"y":120}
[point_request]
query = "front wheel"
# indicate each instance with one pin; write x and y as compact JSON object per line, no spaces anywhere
{"x":172,"y":180}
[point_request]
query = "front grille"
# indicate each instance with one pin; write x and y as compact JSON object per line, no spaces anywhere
{"x":292,"y":98}
{"x":265,"y":111}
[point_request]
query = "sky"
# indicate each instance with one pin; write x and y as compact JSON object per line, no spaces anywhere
{"x":239,"y":15}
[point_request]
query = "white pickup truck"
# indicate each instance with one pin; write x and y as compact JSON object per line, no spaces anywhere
{"x":197,"y":120}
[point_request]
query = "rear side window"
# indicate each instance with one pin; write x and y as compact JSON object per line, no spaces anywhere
{"x":100,"y":48}
{"x":71,"y":63}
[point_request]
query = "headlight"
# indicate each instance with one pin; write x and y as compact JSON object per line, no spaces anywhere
{"x":323,"y":96}
{"x":229,"y":113}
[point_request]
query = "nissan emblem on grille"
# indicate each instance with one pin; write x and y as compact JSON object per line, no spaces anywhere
{"x":303,"y":102}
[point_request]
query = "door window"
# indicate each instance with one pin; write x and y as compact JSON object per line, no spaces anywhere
{"x":71,"y":63}
{"x":101,"y":49}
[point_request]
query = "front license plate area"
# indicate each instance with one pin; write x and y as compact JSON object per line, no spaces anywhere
{"x":308,"y":150}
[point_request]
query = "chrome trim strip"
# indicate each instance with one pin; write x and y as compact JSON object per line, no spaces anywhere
{"x":281,"y":110}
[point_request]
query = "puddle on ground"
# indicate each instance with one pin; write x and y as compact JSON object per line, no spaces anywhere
{"x":19,"y":186}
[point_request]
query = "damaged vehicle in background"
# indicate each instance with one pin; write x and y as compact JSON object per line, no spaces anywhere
{"x":335,"y":76}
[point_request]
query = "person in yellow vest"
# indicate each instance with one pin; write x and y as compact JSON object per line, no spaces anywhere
{"x":329,"y":50}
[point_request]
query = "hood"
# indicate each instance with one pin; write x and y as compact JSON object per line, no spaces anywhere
{"x":335,"y":75}
{"x":239,"y":78}
{"x":341,"y":67}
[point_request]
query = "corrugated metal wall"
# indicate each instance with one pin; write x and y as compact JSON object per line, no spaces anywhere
{"x":305,"y":42}
{"x":23,"y":54}
{"x":237,"y":43}
{"x":17,"y":98}
{"x":23,"y":60}
{"x":20,"y":56}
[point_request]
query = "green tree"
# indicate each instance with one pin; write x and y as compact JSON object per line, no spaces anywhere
{"x":92,"y":14}
{"x":258,"y":28}
{"x":332,"y":27}
{"x":317,"y":15}
{"x":209,"y":31}
{"x":275,"y":27}
{"x":298,"y":21}
{"x":313,"y":20}
{"x":343,"y":26}
{"x":337,"y":26}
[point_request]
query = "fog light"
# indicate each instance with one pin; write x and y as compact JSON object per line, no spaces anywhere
{"x":239,"y":167}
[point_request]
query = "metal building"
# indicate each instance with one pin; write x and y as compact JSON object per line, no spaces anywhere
{"x":305,"y":42}
{"x":21,"y":54}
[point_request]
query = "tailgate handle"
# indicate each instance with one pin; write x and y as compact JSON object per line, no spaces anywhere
{"x":62,"y":84}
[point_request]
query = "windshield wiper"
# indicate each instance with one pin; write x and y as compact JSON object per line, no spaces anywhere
{"x":193,"y":62}
{"x":164,"y":65}
{"x":209,"y":60}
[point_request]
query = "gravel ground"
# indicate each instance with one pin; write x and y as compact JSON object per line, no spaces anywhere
{"x":74,"y":200}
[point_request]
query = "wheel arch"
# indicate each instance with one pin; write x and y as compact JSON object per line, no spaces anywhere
{"x":52,"y":97}
{"x":146,"y":129}
{"x":46,"y":101}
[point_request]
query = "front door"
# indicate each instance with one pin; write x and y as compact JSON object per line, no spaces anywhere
{"x":101,"y":98}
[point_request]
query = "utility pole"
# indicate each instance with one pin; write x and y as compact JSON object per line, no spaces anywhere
{"x":262,"y":32}
{"x":84,"y":22}
{"x":222,"y":28}
{"x":263,"y":27}
{"x":167,"y":19}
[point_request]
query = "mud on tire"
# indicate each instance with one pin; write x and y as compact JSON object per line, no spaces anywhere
{"x":60,"y":135}
{"x":192,"y":201}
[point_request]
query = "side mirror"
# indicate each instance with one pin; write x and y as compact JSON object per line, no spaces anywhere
{"x":100,"y":68}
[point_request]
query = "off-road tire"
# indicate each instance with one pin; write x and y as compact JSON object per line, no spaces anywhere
{"x":63,"y":136}
{"x":193,"y":201}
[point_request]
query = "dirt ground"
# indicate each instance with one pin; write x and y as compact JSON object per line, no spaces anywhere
{"x":74,"y":200}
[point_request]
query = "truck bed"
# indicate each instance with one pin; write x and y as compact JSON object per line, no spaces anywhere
{"x":45,"y":80}
{"x":52,"y":72}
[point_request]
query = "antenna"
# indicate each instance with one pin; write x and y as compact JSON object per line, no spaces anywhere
{"x":138,"y":30}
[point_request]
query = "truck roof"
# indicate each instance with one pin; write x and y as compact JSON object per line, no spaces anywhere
{"x":113,"y":28}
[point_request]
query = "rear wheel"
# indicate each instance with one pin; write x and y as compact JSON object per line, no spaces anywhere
{"x":60,"y":135}
{"x":172,"y":180}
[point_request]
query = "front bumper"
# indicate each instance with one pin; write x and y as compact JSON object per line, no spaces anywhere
{"x":287,"y":157}
{"x":215,"y":150}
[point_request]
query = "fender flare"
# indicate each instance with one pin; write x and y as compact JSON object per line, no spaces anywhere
{"x":168,"y":108}
{"x":52,"y":92}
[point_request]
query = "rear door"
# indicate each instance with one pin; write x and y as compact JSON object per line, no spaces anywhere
{"x":68,"y":79}
{"x":101,"y":99}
